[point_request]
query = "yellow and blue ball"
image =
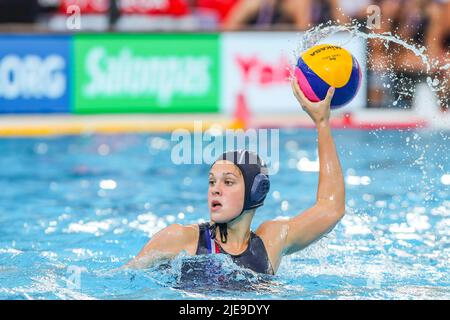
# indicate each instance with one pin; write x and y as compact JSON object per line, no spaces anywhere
{"x":328,"y":65}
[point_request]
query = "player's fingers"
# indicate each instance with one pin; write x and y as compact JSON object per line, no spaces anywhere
{"x":330,"y":94}
{"x":298,"y":92}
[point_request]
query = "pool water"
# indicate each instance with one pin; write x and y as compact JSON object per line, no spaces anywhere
{"x":75,"y":208}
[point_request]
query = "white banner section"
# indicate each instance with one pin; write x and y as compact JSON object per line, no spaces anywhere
{"x":257,"y":66}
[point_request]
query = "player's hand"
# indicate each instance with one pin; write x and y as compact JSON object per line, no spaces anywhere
{"x":318,"y":111}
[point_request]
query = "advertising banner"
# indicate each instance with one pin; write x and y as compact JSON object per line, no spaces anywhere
{"x":34,"y":74}
{"x":257,"y":67}
{"x":146,"y":73}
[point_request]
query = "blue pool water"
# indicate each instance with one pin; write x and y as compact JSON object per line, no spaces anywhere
{"x":73,"y":209}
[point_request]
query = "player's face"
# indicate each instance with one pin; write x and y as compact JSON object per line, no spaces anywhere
{"x":225,"y":192}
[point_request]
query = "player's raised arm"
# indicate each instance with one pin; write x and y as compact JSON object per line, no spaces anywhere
{"x":329,"y":208}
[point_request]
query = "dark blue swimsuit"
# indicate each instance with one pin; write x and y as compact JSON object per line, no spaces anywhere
{"x":254,"y":257}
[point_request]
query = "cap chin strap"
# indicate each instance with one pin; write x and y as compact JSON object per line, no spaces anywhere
{"x":223,"y":227}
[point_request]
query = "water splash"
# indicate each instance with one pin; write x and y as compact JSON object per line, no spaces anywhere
{"x":317,"y":34}
{"x":210,"y":274}
{"x":323,"y":32}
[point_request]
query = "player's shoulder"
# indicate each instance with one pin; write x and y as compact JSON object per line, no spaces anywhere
{"x":181,"y":231}
{"x":178,"y":230}
{"x":183,"y":237}
{"x":270,"y":229}
{"x":273,"y":234}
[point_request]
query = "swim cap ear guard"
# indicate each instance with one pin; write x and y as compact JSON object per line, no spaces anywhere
{"x":256,"y":180}
{"x":260,"y":188}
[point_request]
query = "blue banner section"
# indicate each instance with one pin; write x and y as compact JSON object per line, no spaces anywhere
{"x":34,"y":74}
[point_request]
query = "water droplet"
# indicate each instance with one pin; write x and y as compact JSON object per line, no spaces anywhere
{"x":103,"y":149}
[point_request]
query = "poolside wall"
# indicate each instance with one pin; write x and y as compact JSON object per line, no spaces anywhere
{"x":154,"y":73}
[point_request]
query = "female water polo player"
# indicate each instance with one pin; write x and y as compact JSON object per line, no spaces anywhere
{"x":238,"y":185}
